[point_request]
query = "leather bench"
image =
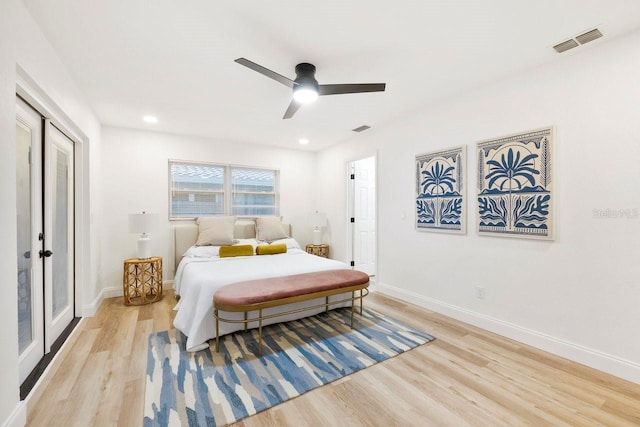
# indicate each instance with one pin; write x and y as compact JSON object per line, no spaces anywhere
{"x":257,"y":295}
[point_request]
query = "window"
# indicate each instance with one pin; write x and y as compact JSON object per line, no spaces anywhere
{"x":201,"y":189}
{"x":253,"y":191}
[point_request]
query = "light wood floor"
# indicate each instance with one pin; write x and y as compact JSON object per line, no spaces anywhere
{"x":467,"y":377}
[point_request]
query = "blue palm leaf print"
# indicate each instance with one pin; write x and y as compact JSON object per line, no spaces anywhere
{"x":512,"y":170}
{"x":438,"y":178}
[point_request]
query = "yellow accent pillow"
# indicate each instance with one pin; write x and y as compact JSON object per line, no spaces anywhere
{"x":238,"y":250}
{"x":278,"y":248}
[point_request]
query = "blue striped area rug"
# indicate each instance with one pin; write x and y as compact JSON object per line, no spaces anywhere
{"x":206,"y":388}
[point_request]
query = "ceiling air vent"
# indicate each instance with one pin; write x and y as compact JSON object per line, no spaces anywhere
{"x":589,"y":36}
{"x":578,"y":40}
{"x":565,"y":46}
{"x":361,"y":128}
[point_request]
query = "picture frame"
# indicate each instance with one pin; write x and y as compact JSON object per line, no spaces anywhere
{"x":515,"y":185}
{"x":440,"y":191}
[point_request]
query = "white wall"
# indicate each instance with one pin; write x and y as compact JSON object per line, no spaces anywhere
{"x":135,"y":178}
{"x":577,"y":296}
{"x":22,"y":44}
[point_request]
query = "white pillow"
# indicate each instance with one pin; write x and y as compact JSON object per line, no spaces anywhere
{"x":202,"y":252}
{"x":269,"y":229}
{"x":289,"y":241}
{"x":252,"y":242}
{"x":214,"y":251}
{"x":215,"y":230}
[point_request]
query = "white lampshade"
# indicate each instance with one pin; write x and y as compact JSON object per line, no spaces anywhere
{"x":143,"y":223}
{"x":317,"y":219}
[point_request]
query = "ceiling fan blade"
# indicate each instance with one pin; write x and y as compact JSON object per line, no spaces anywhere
{"x":265,"y":71}
{"x":293,"y":107}
{"x":350,"y":88}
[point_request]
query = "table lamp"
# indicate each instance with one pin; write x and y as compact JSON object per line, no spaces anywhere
{"x":143,"y":223}
{"x":317,"y":220}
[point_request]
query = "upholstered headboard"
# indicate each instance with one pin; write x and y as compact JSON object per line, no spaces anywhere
{"x":185,"y":235}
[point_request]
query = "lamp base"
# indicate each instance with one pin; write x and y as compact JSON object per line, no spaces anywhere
{"x":144,"y":248}
{"x":317,"y":237}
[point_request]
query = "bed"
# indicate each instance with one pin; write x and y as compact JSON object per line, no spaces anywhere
{"x":201,"y":271}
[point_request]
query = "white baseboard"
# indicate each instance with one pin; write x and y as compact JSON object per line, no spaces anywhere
{"x":89,"y":310}
{"x":610,"y":364}
{"x":18,"y":417}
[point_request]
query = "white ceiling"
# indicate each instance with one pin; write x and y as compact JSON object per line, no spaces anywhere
{"x":175,"y":59}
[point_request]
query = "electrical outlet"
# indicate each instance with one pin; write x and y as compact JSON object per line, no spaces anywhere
{"x":480,"y":292}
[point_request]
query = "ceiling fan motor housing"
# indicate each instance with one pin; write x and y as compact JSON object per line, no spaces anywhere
{"x":305,"y":76}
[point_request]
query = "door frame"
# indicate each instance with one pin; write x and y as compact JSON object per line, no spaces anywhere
{"x":350,"y":208}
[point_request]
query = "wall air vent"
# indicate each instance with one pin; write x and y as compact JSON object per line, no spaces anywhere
{"x":361,"y":128}
{"x":565,"y":46}
{"x":589,"y":36}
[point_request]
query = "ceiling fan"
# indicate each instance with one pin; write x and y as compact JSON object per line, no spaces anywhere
{"x":305,"y":87}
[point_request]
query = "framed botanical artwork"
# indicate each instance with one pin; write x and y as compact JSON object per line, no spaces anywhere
{"x":440,"y":191}
{"x":515,"y":185}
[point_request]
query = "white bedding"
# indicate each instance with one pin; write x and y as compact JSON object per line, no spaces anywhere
{"x":197,"y":279}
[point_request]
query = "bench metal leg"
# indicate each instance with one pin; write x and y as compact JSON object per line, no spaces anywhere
{"x":260,"y":334}
{"x":246,"y":324}
{"x":217,"y":331}
{"x":326,"y":304}
{"x":353,"y":303}
{"x":360,"y":302}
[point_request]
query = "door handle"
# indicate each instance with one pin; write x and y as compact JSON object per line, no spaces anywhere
{"x":46,"y":253}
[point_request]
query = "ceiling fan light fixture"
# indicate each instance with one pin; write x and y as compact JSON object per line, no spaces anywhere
{"x":306,"y":88}
{"x":305,"y":94}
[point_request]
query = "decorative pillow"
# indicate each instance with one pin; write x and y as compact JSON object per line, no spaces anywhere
{"x":279,"y":248}
{"x":270,"y":229}
{"x":237,"y":250}
{"x":215,"y":230}
{"x":202,"y":252}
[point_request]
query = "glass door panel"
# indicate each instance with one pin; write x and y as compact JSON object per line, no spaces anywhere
{"x":29,"y":226}
{"x":59,"y":232}
{"x":23,"y":207}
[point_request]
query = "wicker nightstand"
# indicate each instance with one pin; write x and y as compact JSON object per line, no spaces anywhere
{"x":142,"y":280}
{"x":319,"y":250}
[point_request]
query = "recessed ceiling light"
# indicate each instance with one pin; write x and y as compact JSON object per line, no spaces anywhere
{"x":303,"y":141}
{"x":150,"y":119}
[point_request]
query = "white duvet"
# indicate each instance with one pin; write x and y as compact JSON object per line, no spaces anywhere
{"x":197,"y":279}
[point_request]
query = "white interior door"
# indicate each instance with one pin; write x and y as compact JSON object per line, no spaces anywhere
{"x":29,"y":226}
{"x":364,"y":214}
{"x":59,"y":233}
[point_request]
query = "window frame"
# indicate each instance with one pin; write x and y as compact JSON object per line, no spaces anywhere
{"x":227,"y":189}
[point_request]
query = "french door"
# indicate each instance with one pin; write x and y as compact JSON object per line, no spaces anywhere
{"x":45,"y":250}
